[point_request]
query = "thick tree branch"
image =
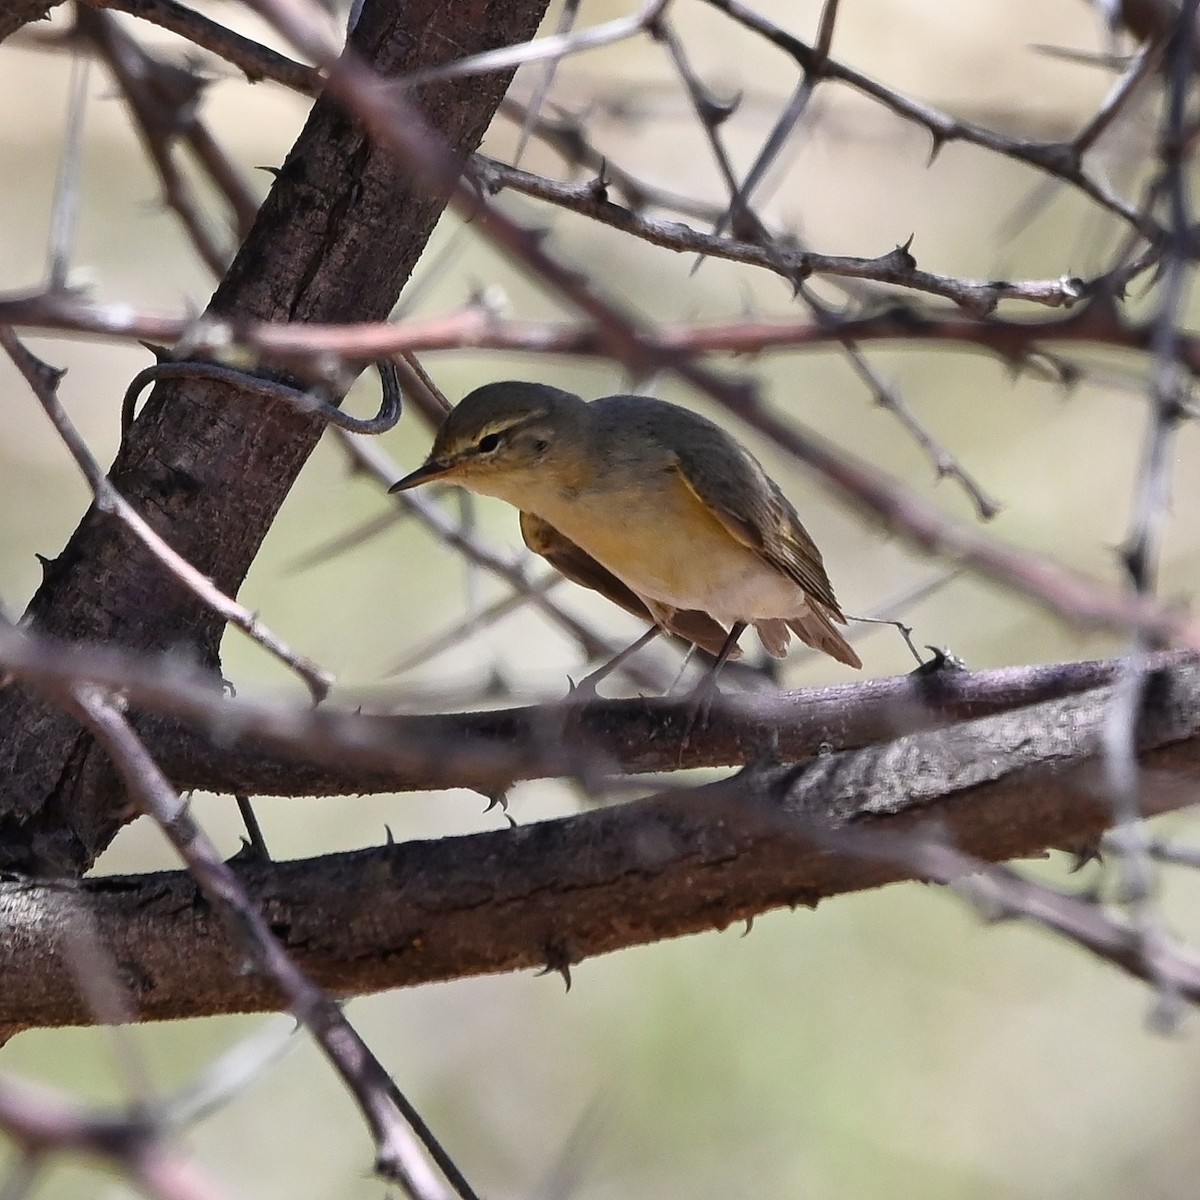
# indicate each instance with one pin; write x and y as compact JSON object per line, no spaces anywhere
{"x":18,"y":13}
{"x":207,"y":739}
{"x":208,"y":465}
{"x":560,"y":891}
{"x":330,"y":753}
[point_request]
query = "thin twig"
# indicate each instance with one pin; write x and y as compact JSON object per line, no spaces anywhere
{"x":789,"y":119}
{"x":40,"y":1121}
{"x":1001,"y":894}
{"x":162,"y":100}
{"x":64,"y":216}
{"x":1151,"y":501}
{"x":462,"y":630}
{"x":1060,"y":160}
{"x":567,"y":137}
{"x":566,"y":22}
{"x":944,"y":463}
{"x":1141,"y":67}
{"x":553,"y":48}
{"x":390,"y":406}
{"x":255,"y":60}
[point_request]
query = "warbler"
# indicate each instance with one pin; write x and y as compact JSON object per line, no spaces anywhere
{"x":650,"y":504}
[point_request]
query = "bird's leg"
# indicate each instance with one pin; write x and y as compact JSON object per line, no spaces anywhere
{"x":585,"y":689}
{"x":739,"y":627}
{"x":706,"y":690}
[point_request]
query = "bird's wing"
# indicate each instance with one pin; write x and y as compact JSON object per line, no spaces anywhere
{"x":747,"y":501}
{"x":580,"y":567}
{"x":577,"y":565}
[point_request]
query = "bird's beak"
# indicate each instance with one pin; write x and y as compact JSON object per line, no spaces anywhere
{"x":423,"y":474}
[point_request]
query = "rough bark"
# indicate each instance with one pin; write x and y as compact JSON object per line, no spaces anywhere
{"x":331,"y":752}
{"x":557,"y":892}
{"x":18,"y":13}
{"x":209,"y":466}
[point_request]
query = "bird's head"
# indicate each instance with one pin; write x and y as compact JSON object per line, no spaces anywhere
{"x":506,"y":440}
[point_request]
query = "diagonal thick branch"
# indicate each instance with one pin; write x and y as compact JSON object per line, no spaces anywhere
{"x":207,"y":465}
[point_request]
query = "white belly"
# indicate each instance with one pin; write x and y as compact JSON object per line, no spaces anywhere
{"x":677,"y":558}
{"x":724,"y":579}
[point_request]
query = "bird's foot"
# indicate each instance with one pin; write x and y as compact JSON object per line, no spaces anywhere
{"x":585,"y":689}
{"x":701,"y":700}
{"x":706,"y":690}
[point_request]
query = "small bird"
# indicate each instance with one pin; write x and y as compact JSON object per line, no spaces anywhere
{"x":650,"y":504}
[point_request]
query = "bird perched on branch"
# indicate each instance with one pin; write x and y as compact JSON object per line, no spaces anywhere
{"x":650,"y":504}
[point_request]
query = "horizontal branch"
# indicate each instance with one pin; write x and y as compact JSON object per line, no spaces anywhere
{"x":324,"y":753}
{"x":555,"y":893}
{"x":231,"y":744}
{"x":1094,"y":323}
{"x":897,"y":267}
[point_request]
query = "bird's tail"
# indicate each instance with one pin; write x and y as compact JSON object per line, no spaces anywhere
{"x":816,"y":629}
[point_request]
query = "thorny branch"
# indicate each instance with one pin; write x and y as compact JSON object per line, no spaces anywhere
{"x":1057,"y":159}
{"x":387,"y":1114}
{"x":234,"y":744}
{"x":1150,"y":508}
{"x":1123,"y":740}
{"x":679,"y":861}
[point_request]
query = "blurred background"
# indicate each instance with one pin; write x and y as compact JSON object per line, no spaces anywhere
{"x":884,"y":1044}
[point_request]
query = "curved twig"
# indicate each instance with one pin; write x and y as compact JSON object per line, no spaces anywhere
{"x":390,"y":409}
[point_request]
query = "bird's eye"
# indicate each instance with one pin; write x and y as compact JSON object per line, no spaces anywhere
{"x":540,"y":446}
{"x":489,"y":442}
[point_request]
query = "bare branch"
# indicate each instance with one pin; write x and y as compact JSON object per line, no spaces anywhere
{"x":255,"y":60}
{"x":40,"y":1122}
{"x":679,"y":862}
{"x":65,"y":215}
{"x":1059,"y":160}
{"x":397,"y":1156}
{"x":235,"y":744}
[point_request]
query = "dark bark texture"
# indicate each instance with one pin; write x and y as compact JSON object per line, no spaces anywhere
{"x":18,"y":13}
{"x":555,"y":893}
{"x":209,"y":466}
